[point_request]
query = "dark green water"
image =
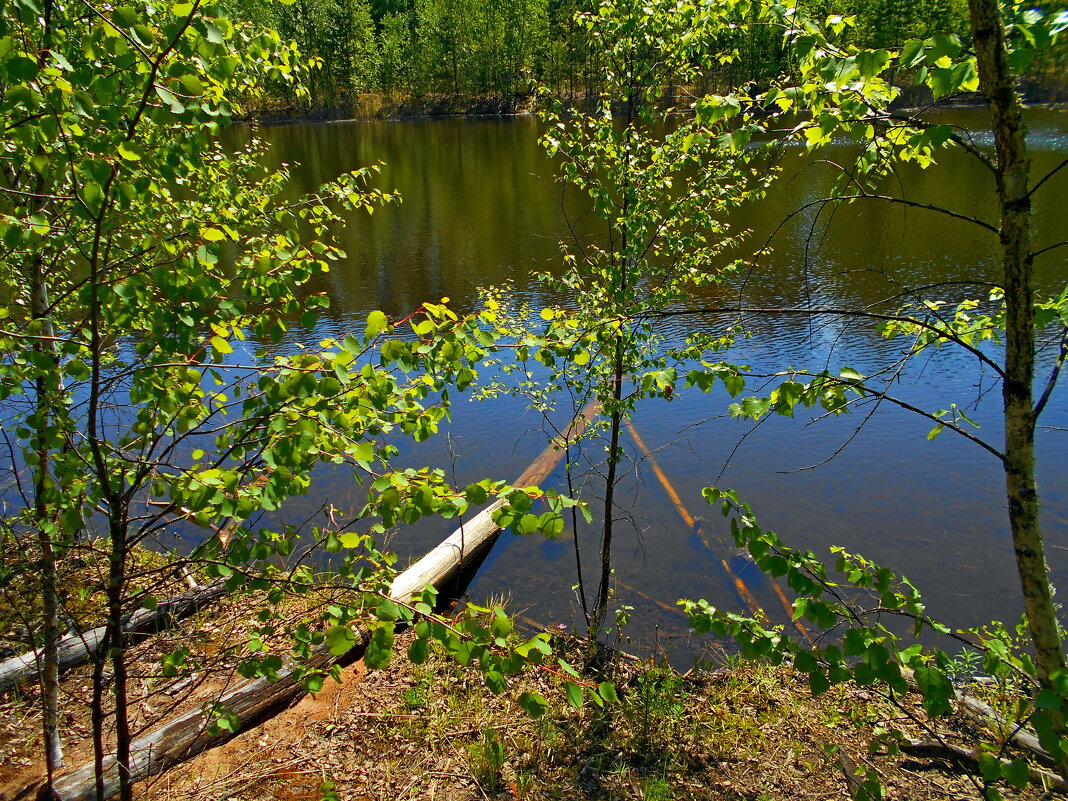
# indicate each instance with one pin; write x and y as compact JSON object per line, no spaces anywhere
{"x":481,"y":207}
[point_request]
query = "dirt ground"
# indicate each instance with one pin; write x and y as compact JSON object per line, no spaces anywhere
{"x":434,"y":731}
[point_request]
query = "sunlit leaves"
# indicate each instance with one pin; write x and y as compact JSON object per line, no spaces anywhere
{"x":340,"y":640}
{"x":376,"y":324}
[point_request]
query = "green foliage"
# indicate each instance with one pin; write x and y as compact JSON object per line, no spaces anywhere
{"x":655,"y":706}
{"x":464,"y":49}
{"x":152,"y":273}
{"x":865,"y":602}
{"x":457,"y":47}
{"x":656,"y":788}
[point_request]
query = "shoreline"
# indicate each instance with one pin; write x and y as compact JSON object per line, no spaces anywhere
{"x":409,"y":113}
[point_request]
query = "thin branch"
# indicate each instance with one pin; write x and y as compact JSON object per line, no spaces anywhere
{"x":1054,"y":374}
{"x":926,"y":206}
{"x":950,"y":426}
{"x":963,"y":142}
{"x":1047,"y":176}
{"x":1038,"y":253}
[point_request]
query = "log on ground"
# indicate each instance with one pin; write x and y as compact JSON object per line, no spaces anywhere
{"x":251,"y":702}
{"x":77,"y":649}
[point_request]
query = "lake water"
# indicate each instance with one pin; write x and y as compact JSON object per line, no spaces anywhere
{"x":481,"y":207}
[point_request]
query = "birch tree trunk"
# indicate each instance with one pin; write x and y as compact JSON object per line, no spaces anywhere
{"x":997,"y":81}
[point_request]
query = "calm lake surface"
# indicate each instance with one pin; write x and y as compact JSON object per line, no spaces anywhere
{"x":481,"y":207}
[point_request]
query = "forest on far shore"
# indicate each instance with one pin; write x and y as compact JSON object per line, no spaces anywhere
{"x":445,"y":56}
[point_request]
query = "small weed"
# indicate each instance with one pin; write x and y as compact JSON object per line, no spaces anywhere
{"x":414,"y":698}
{"x":656,"y":788}
{"x":965,"y":666}
{"x":655,"y":706}
{"x":525,"y":783}
{"x":485,"y":759}
{"x":328,"y":791}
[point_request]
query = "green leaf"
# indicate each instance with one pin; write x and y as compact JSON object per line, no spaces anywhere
{"x":533,"y":704}
{"x":550,"y":524}
{"x":418,"y":651}
{"x":377,"y":322}
{"x":77,"y":369}
{"x":607,"y":691}
{"x":912,"y":54}
{"x":943,"y":45}
{"x":129,"y":151}
{"x":818,"y":682}
{"x":587,"y":513}
{"x":872,"y":62}
{"x":495,"y":681}
{"x":476,"y":494}
{"x":340,"y":640}
{"x":221,"y":345}
{"x":380,"y":647}
{"x":989,"y":767}
{"x":1017,"y":773}
{"x":387,"y":610}
{"x":168,"y":97}
{"x":364,"y":453}
{"x":573,"y":692}
{"x":527,"y":524}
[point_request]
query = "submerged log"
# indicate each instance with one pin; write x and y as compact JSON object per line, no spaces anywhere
{"x":251,"y":702}
{"x":721,"y":548}
{"x":77,"y":649}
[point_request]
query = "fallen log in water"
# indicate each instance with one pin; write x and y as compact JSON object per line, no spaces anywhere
{"x":253,"y":701}
{"x":77,"y":649}
{"x":442,"y":562}
{"x":695,"y":524}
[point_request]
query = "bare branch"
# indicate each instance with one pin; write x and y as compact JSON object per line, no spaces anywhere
{"x":982,"y":357}
{"x":1045,"y":250}
{"x":1054,"y":374}
{"x":1047,"y":176}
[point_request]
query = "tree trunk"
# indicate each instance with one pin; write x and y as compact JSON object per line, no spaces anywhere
{"x":1013,"y":170}
{"x":600,"y":604}
{"x":44,"y":518}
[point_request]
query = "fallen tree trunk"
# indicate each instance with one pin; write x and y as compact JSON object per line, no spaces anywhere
{"x":1013,"y":732}
{"x":251,"y":702}
{"x":997,"y":724}
{"x":969,"y":759}
{"x":77,"y":649}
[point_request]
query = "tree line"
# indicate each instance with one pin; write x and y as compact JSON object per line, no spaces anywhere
{"x":489,"y":54}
